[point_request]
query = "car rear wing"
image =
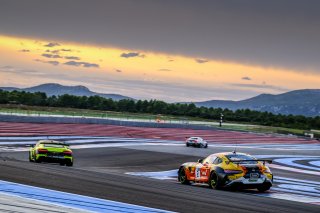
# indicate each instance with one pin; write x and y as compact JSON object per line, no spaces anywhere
{"x":253,"y":160}
{"x":62,"y":143}
{"x":58,"y":143}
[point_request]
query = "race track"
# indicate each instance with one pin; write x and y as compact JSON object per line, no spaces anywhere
{"x":140,"y":169}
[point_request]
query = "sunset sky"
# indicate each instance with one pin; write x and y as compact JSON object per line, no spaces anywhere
{"x":168,"y":50}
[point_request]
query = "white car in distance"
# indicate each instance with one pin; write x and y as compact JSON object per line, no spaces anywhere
{"x":196,"y":142}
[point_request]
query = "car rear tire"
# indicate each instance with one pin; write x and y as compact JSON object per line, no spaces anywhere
{"x":30,"y":157}
{"x":69,"y":163}
{"x":62,"y":163}
{"x":37,"y":160}
{"x":206,"y":146}
{"x":182,"y":177}
{"x":187,"y":144}
{"x":263,"y":188}
{"x":214,"y":181}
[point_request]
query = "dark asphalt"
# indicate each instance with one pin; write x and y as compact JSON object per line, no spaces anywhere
{"x":100,"y":173}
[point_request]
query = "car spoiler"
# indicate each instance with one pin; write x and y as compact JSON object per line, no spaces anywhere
{"x":262,"y":160}
{"x":62,"y":143}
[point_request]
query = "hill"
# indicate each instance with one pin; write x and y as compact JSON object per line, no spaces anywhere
{"x":298,"y":102}
{"x":56,"y":89}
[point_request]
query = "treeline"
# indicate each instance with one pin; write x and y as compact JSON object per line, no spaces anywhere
{"x":159,"y":107}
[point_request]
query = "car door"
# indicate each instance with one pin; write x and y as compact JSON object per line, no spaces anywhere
{"x":205,"y":169}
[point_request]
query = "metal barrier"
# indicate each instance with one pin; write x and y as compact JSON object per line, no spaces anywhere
{"x":84,"y":120}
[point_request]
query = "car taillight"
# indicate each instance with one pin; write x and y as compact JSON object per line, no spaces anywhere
{"x":69,"y":153}
{"x":229,"y":171}
{"x":266,"y":170}
{"x":42,"y":151}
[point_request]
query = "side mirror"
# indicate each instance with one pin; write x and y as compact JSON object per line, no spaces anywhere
{"x":200,"y":160}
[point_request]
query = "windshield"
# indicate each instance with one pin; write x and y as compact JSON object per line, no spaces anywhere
{"x":195,"y":138}
{"x":240,"y":157}
{"x":53,"y":145}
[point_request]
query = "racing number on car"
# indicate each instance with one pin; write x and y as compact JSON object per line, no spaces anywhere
{"x":198,"y":174}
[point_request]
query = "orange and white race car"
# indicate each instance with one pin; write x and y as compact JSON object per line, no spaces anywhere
{"x":230,"y":169}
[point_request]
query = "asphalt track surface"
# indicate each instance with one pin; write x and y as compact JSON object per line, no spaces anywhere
{"x":101,"y":172}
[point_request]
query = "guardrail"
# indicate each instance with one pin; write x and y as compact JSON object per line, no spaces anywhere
{"x":93,"y":120}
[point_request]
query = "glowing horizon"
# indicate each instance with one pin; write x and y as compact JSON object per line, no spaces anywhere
{"x":140,"y":74}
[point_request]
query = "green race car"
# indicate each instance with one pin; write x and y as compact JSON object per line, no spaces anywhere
{"x":51,"y":151}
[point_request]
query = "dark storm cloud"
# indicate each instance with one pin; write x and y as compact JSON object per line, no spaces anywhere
{"x":7,"y":67}
{"x":73,"y":63}
{"x":54,"y":63}
{"x":58,"y":51}
{"x":55,"y":51}
{"x":72,"y":57}
{"x":24,"y":50}
{"x":81,"y":64}
{"x":90,"y":65}
{"x":11,"y":69}
{"x":281,"y":33}
{"x":50,"y":55}
{"x":246,"y":78}
{"x":201,"y":61}
{"x":52,"y":44}
{"x":260,"y":86}
{"x":130,"y":55}
{"x":166,"y":70}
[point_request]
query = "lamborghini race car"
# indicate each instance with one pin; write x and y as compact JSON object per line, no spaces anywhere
{"x":51,"y":151}
{"x":231,"y":169}
{"x":196,"y":142}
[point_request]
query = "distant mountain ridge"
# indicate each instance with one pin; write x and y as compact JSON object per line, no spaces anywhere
{"x":57,"y":89}
{"x":298,"y":102}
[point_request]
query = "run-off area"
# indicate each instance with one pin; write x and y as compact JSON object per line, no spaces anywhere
{"x":295,"y":174}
